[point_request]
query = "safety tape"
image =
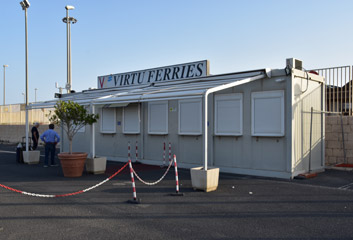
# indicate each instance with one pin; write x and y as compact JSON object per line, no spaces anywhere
{"x":152,"y":183}
{"x":67,"y":194}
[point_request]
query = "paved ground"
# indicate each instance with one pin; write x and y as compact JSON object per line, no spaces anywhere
{"x":243,"y":207}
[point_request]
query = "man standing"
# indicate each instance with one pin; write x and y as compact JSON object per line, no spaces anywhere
{"x":50,"y":138}
{"x":35,"y":135}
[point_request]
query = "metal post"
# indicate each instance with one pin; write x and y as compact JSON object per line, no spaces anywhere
{"x":344,"y":147}
{"x":68,"y":20}
{"x":5,"y":66}
{"x":93,"y":135}
{"x":68,"y":48}
{"x":35,"y":95}
{"x":27,"y":124}
{"x":311,"y":131}
{"x":70,"y":75}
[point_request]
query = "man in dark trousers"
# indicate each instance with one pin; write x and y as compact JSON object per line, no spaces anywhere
{"x":35,"y":135}
{"x":50,"y":138}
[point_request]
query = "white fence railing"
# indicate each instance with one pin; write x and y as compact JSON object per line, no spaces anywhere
{"x":339,"y":88}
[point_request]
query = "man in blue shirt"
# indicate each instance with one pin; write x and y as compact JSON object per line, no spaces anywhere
{"x":50,"y":138}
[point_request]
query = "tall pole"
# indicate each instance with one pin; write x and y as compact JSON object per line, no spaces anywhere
{"x":68,"y":20}
{"x":5,"y":66}
{"x":27,"y":124}
{"x":35,"y":95}
{"x":68,"y":51}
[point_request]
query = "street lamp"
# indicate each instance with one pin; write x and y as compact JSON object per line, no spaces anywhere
{"x":5,"y":66}
{"x":69,"y":20}
{"x":35,"y":95}
{"x":25,"y":5}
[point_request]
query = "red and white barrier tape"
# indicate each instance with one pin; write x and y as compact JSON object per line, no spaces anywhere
{"x":152,"y":183}
{"x":67,"y":194}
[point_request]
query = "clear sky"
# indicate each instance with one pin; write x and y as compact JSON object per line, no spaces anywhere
{"x":114,"y":36}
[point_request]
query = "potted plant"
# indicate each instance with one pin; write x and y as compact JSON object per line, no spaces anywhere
{"x":72,"y":117}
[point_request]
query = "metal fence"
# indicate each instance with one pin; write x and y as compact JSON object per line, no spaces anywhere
{"x":15,"y":114}
{"x":339,"y":88}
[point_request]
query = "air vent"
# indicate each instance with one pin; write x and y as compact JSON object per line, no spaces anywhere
{"x":294,"y":63}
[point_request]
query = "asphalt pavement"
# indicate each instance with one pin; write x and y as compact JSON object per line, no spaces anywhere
{"x":243,"y":207}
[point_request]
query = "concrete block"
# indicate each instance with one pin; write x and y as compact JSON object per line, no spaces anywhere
{"x":328,"y":128}
{"x":328,"y":152}
{"x":349,"y":153}
{"x":345,"y":120}
{"x":348,"y":145}
{"x":206,"y":180}
{"x":346,"y":128}
{"x":333,"y":144}
{"x":331,"y":120}
{"x":330,"y":160}
{"x":31,"y":157}
{"x":332,"y":136}
{"x":336,"y":128}
{"x":339,"y":135}
{"x":337,"y":152}
{"x":351,"y":120}
{"x":96,"y":165}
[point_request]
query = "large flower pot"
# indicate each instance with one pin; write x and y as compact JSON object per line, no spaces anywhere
{"x":72,"y":164}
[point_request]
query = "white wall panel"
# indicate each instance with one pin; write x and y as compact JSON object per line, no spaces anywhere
{"x":131,"y":119}
{"x":267,"y":113}
{"x":158,"y":117}
{"x":229,"y":114}
{"x":190,"y":118}
{"x":108,"y":120}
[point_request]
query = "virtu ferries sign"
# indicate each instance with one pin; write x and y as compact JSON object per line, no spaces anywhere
{"x":161,"y":74}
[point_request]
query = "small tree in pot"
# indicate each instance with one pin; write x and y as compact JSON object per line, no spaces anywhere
{"x":72,"y":117}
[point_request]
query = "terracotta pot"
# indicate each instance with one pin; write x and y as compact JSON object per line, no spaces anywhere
{"x":72,"y":164}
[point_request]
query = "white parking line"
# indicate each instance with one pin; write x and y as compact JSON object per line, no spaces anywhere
{"x":348,"y":186}
{"x":7,"y":152}
{"x":1,"y":151}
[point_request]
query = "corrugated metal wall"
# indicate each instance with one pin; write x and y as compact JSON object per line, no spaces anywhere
{"x":306,"y":96}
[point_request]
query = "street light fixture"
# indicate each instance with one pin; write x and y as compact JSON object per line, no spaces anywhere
{"x":69,"y":20}
{"x":25,"y":5}
{"x":5,"y":66}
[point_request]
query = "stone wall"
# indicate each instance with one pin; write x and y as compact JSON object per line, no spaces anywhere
{"x":334,"y":153}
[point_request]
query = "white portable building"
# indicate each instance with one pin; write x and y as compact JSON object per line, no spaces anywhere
{"x":255,"y":122}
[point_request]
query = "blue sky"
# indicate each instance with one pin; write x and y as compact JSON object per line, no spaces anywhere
{"x":113,"y":36}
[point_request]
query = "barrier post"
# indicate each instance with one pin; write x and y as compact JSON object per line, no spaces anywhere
{"x":136,"y":152}
{"x":177,"y":193}
{"x":135,"y":200}
{"x":170,"y":152}
{"x":163,"y":154}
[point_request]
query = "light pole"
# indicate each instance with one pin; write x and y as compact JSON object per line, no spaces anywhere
{"x":69,"y":20}
{"x":25,"y":5}
{"x":35,"y":95}
{"x":5,"y":66}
